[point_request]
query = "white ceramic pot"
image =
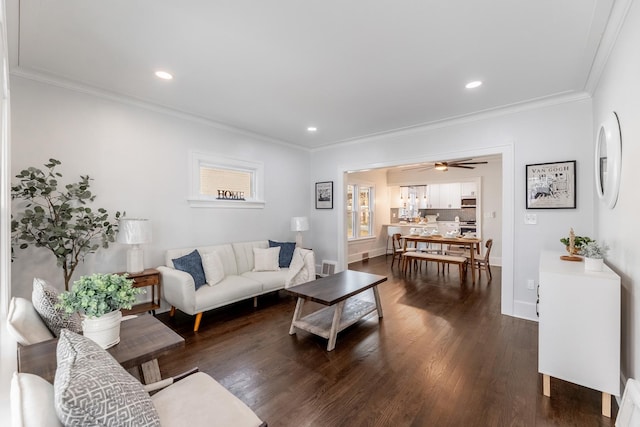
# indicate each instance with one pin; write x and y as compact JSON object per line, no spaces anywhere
{"x":593,"y":264}
{"x":104,"y":330}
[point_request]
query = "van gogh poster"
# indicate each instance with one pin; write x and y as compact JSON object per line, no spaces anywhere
{"x":551,"y":185}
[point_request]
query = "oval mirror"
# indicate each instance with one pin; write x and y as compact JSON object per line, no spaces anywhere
{"x":608,"y":160}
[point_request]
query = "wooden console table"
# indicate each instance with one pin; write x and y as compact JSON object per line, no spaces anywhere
{"x":342,"y":311}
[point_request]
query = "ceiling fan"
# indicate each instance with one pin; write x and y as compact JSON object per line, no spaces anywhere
{"x":444,"y":166}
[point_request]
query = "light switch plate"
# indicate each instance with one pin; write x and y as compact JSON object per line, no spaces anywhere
{"x":530,"y":218}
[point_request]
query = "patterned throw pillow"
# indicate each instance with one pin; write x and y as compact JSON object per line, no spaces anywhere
{"x":192,"y":264}
{"x":286,"y":252}
{"x":92,"y":389}
{"x":44,"y":299}
{"x":266,"y":259}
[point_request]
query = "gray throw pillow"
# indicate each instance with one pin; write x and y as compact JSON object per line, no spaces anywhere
{"x":192,"y":264}
{"x":44,"y":299}
{"x":92,"y":389}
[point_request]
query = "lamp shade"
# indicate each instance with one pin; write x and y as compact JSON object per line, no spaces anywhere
{"x":134,"y":231}
{"x":299,"y":223}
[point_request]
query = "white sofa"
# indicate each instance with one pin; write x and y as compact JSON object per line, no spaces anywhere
{"x":240,"y":282}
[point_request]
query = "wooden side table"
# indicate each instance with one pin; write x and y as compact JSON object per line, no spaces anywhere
{"x":149,"y":277}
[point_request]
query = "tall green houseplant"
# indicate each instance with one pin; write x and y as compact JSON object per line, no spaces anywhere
{"x":59,"y":220}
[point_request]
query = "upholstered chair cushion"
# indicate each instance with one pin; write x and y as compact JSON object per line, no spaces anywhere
{"x":25,"y":324}
{"x":44,"y":298}
{"x":92,"y":389}
{"x":266,"y":259}
{"x":32,"y":402}
{"x":181,"y":404}
{"x":286,"y":252}
{"x":192,"y":264}
{"x":213,"y":268}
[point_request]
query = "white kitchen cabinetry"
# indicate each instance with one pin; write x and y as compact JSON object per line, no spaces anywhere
{"x":579,"y":329}
{"x":433,"y":196}
{"x":453,"y":198}
{"x":469,"y":189}
{"x":444,"y":196}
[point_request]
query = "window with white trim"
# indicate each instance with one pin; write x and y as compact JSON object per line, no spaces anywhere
{"x":223,"y":182}
{"x":360,"y":208}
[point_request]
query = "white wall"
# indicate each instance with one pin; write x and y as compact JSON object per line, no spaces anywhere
{"x":138,"y":159}
{"x":619,"y":91}
{"x":552,"y":132}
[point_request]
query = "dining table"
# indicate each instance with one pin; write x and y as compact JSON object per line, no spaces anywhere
{"x":473,"y":243}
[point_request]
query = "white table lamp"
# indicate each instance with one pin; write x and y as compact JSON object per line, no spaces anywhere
{"x":299,"y":224}
{"x":135,"y":232}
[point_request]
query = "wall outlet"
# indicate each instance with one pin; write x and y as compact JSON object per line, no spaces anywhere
{"x":531,"y":284}
{"x":530,"y":218}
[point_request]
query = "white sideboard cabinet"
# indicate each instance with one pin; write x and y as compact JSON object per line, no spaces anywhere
{"x":579,"y":329}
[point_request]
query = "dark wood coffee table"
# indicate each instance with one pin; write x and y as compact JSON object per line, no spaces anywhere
{"x":142,"y":340}
{"x":335,"y":292}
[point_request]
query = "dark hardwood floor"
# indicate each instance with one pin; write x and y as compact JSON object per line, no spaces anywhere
{"x":443,"y":355}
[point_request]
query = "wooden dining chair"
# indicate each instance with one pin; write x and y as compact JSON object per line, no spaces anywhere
{"x":457,"y":250}
{"x":483,"y":263}
{"x":398,"y":249}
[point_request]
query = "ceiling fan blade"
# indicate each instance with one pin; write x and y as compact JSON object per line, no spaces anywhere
{"x":461,"y":166}
{"x":470,"y":163}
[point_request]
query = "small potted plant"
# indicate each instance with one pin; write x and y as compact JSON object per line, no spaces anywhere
{"x":578,"y":242}
{"x":594,"y":254}
{"x":99,"y":297}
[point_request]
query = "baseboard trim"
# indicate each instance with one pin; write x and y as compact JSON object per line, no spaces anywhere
{"x":372,"y":254}
{"x":525,"y":310}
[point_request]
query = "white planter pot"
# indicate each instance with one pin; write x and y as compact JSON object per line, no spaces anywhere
{"x":104,"y":330}
{"x":593,"y":264}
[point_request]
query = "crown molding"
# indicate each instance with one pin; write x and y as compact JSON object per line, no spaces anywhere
{"x":616,"y":21}
{"x":158,"y":108}
{"x":532,"y":104}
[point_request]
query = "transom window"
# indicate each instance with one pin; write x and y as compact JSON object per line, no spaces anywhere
{"x":218,"y":181}
{"x":360,"y":210}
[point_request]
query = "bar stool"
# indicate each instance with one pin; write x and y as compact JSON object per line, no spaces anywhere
{"x":390,"y":232}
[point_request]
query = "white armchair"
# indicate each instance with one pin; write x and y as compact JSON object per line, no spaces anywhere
{"x":91,"y":388}
{"x":197,"y":400}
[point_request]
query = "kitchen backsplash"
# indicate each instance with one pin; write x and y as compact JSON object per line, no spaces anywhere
{"x":467,"y":214}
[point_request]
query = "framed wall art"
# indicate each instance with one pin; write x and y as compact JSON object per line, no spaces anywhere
{"x":551,"y":185}
{"x":324,"y":195}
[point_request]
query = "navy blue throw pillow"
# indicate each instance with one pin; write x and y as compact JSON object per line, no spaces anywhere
{"x":286,"y":252}
{"x":192,"y":264}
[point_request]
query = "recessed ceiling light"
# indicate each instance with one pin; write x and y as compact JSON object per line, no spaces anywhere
{"x":312,"y":129}
{"x":474,"y":84}
{"x":164,"y":75}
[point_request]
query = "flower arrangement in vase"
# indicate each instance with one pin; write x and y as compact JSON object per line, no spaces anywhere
{"x":99,"y":297}
{"x":594,"y":254}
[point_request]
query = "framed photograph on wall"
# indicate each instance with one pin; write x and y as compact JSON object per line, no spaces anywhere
{"x":551,"y":185}
{"x":324,"y":195}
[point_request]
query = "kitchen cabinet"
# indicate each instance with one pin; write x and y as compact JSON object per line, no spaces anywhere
{"x":433,"y":196}
{"x":579,"y":329}
{"x":444,"y":196}
{"x":469,"y":189}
